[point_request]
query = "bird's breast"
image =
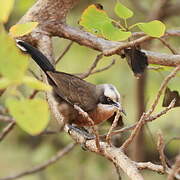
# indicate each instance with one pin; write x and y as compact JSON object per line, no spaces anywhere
{"x":98,"y":115}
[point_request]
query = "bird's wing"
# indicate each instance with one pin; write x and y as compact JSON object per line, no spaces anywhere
{"x":74,"y":90}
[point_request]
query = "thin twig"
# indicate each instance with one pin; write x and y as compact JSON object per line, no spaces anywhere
{"x":149,"y":119}
{"x":155,"y":167}
{"x":93,"y":66}
{"x":160,"y":148}
{"x":118,"y":131}
{"x":151,"y":166}
{"x":153,"y":117}
{"x":155,"y":68}
{"x":5,"y":118}
{"x":138,"y":126}
{"x":168,"y":46}
{"x":33,"y":94}
{"x":44,"y":165}
{"x":147,"y":115}
{"x":64,"y":52}
{"x":114,"y":124}
{"x":104,"y":68}
{"x":91,"y":122}
{"x":7,"y":130}
{"x":161,"y":89}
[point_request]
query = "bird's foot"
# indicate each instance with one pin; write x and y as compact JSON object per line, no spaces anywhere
{"x":82,"y":131}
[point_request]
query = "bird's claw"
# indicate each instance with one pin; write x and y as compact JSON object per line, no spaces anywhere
{"x":82,"y":131}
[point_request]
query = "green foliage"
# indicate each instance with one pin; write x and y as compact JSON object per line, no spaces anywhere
{"x":30,"y":114}
{"x":12,"y":63}
{"x":122,"y":11}
{"x":6,"y":7}
{"x":113,"y":33}
{"x":35,"y":84}
{"x":22,"y":29}
{"x":4,"y":83}
{"x":95,"y":20}
{"x":154,"y":28}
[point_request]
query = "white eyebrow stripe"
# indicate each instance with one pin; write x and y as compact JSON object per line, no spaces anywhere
{"x":111,"y":91}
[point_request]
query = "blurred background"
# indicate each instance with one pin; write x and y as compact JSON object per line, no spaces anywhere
{"x":20,"y":151}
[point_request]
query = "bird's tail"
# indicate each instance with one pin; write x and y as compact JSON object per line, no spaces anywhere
{"x":36,"y":55}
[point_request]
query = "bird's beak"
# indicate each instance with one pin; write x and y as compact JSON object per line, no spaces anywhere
{"x":119,"y":107}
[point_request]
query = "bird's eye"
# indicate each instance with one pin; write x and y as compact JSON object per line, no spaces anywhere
{"x":108,"y":99}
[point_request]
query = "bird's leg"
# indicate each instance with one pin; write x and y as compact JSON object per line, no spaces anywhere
{"x":82,"y":131}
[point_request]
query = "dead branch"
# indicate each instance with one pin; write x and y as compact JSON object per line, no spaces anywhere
{"x":6,"y":119}
{"x":148,"y":119}
{"x":104,"y":68}
{"x":44,"y":165}
{"x":150,"y":166}
{"x":168,"y":46}
{"x":138,"y":126}
{"x":93,"y":66}
{"x":111,"y":47}
{"x":153,"y":117}
{"x":34,"y":93}
{"x":114,"y":124}
{"x":161,"y":89}
{"x":160,"y":148}
{"x":116,"y":155}
{"x":64,"y":52}
{"x":7,"y":130}
{"x":91,"y":122}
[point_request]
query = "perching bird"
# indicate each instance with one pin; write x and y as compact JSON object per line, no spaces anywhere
{"x":99,"y":101}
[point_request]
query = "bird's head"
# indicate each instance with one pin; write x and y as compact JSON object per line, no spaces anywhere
{"x":109,"y":96}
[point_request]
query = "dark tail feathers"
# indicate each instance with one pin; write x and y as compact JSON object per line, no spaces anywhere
{"x":38,"y":56}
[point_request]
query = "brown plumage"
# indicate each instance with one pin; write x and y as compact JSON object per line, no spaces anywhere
{"x":99,"y":101}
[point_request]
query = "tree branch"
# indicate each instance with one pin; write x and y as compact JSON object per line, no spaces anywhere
{"x":116,"y":155}
{"x":110,"y":47}
{"x":7,"y":130}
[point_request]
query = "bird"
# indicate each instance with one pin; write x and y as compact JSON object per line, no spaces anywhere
{"x":101,"y":102}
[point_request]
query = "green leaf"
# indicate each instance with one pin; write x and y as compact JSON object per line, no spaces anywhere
{"x":122,"y":11}
{"x":6,"y":7}
{"x":31,"y":115}
{"x":22,"y":29}
{"x":113,"y":33}
{"x":93,"y":18}
{"x":36,"y":84}
{"x":4,"y":83}
{"x":154,"y":28}
{"x":13,"y":63}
